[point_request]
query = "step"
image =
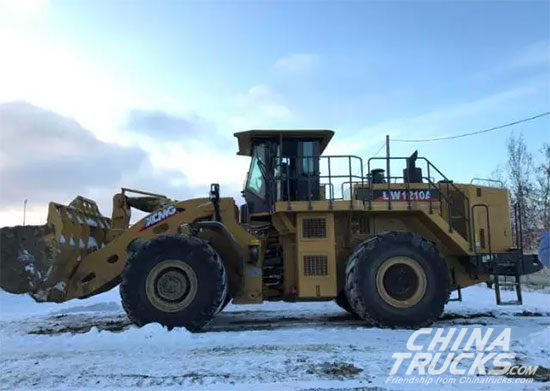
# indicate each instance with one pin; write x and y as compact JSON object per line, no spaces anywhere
{"x":444,"y":226}
{"x":513,"y":302}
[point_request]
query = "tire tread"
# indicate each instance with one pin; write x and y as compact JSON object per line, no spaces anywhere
{"x":137,"y":311}
{"x":361,"y":254}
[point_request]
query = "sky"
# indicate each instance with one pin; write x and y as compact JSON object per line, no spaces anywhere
{"x":98,"y":95}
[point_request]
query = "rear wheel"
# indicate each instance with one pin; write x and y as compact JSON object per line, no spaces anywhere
{"x":175,"y":280}
{"x":397,"y":279}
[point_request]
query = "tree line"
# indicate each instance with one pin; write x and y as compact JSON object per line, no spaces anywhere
{"x":529,"y":188}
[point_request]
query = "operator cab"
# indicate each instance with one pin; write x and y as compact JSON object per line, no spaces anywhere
{"x":284,"y":166}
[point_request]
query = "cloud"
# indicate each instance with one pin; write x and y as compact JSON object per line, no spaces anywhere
{"x":25,"y":7}
{"x":47,"y":157}
{"x":44,"y":153}
{"x":261,"y":106}
{"x":158,"y":132}
{"x":60,"y":75}
{"x":525,"y":59}
{"x":193,"y":146}
{"x":261,"y":94}
{"x":159,"y":124}
{"x":299,"y":62}
{"x":533,"y":54}
{"x":440,"y":122}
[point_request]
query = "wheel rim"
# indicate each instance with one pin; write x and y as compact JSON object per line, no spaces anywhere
{"x":171,"y":285}
{"x":401,"y":282}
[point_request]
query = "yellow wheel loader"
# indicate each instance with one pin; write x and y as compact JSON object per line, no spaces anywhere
{"x":389,"y":248}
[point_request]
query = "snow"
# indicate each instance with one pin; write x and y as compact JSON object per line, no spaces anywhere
{"x":91,"y":222}
{"x":92,"y":242}
{"x":60,"y":286}
{"x":89,"y":344}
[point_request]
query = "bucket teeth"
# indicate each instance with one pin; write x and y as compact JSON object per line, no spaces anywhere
{"x":39,"y":260}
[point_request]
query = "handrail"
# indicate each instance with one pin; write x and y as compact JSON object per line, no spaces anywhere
{"x":339,"y":168}
{"x":429,"y":164}
{"x":309,"y":176}
{"x":449,"y":201}
{"x":519,"y":232}
{"x":449,"y":185}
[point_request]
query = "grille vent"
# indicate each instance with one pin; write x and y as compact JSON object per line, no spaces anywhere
{"x":314,"y":228}
{"x":315,"y":265}
{"x":360,"y":224}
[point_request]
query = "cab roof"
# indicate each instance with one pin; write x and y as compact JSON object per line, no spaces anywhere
{"x":245,"y":138}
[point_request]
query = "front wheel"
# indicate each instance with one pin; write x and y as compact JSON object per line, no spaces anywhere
{"x":343,"y":303}
{"x":397,"y":279}
{"x":175,"y":280}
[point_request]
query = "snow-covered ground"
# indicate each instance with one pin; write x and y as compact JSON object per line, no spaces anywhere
{"x":89,"y":344}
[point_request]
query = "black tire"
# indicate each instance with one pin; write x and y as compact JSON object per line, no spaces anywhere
{"x":201,"y":282}
{"x":226,"y":297}
{"x":343,"y":303}
{"x":413,"y":301}
{"x":226,"y":302}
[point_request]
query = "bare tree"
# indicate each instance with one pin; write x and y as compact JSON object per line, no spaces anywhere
{"x":543,"y":187}
{"x":522,"y":189}
{"x":499,"y":175}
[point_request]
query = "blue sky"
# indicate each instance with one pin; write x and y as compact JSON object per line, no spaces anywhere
{"x":364,"y":69}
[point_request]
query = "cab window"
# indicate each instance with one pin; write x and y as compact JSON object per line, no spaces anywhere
{"x":256,"y":180}
{"x":309,"y":157}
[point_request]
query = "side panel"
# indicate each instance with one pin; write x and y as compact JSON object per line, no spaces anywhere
{"x":316,"y":258}
{"x":499,"y":230}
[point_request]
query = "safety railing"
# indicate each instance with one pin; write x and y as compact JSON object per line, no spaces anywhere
{"x":300,"y":178}
{"x":312,"y":178}
{"x":445,"y":187}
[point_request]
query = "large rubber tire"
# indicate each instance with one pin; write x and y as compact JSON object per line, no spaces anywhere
{"x":428,"y":281}
{"x":343,"y":303}
{"x":226,"y":302}
{"x":144,"y":296}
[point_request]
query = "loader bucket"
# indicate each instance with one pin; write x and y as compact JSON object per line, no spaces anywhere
{"x":40,"y":260}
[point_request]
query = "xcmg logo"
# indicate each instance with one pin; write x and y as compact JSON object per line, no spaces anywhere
{"x":160,"y":215}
